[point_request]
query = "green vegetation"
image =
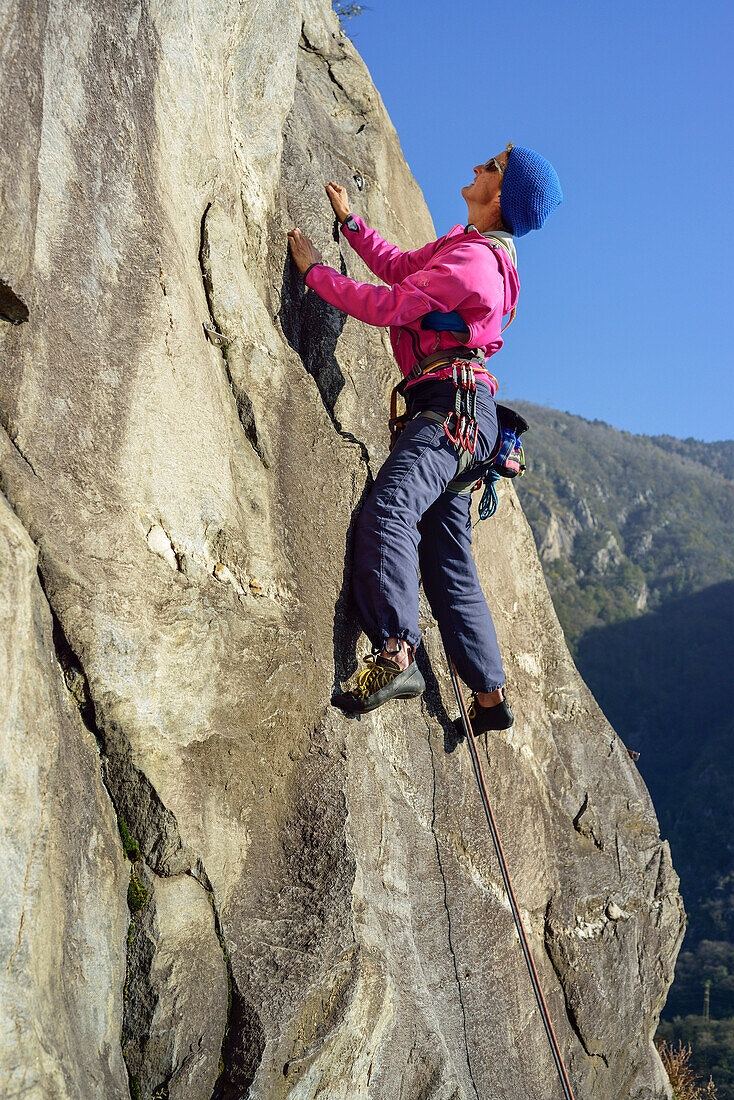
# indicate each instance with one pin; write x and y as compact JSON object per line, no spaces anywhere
{"x":132,"y":851}
{"x":636,"y":538}
{"x":137,"y":895}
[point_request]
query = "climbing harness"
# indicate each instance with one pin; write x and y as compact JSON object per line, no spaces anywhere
{"x":478,"y":772}
{"x":508,"y":457}
{"x":462,"y":362}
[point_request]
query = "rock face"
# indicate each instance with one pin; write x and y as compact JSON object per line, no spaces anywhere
{"x":324,"y":915}
{"x":64,"y":917}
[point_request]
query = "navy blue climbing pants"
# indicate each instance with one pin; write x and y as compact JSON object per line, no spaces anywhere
{"x":410,"y":522}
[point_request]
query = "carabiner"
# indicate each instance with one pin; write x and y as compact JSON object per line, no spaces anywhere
{"x":454,"y":438}
{"x":461,"y":434}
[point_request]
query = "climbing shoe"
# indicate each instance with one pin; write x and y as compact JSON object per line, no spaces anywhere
{"x":381,"y":681}
{"x":498,"y":717}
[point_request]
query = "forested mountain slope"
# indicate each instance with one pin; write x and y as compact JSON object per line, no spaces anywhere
{"x":636,"y":536}
{"x":622,"y":522}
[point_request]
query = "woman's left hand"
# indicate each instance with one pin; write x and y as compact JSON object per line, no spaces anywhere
{"x":303,"y":252}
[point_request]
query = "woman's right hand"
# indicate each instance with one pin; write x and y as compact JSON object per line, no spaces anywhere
{"x":338,"y":199}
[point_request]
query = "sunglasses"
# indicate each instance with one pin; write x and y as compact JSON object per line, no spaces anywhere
{"x":493,"y":163}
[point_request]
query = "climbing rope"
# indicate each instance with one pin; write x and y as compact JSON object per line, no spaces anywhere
{"x":488,"y":503}
{"x":566,"y":1084}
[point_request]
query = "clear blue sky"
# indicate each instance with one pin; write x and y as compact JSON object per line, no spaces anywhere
{"x":625,"y":308}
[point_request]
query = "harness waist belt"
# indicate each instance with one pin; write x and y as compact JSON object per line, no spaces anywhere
{"x":438,"y":359}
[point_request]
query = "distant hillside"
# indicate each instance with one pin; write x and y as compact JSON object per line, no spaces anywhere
{"x":636,"y":536}
{"x":719,"y":456}
{"x":624,"y":522}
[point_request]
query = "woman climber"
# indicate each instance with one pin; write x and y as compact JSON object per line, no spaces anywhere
{"x":444,"y":304}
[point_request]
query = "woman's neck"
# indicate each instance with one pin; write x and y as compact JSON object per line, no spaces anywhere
{"x":487,"y":223}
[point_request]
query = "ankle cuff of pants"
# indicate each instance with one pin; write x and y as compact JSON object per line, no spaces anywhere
{"x":489,"y":690}
{"x":402,"y":636}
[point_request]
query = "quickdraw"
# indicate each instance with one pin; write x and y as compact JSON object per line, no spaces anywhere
{"x":466,"y":429}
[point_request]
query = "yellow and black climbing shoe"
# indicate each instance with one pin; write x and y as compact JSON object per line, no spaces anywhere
{"x":498,"y":717}
{"x":381,"y":681}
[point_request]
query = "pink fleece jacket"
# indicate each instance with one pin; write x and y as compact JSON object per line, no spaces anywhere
{"x":461,"y":271}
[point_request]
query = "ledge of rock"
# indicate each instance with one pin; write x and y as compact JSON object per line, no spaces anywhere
{"x":318,"y":911}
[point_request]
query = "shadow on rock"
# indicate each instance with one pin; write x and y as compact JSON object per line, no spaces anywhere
{"x":346,"y":627}
{"x":312,"y":327}
{"x":242,"y":1050}
{"x":434,"y":702}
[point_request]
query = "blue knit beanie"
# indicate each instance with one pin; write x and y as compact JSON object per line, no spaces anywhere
{"x":530,"y":192}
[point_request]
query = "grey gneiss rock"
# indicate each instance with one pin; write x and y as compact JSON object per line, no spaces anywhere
{"x":192,"y":508}
{"x":63,"y":917}
{"x":176,"y":992}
